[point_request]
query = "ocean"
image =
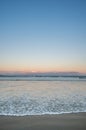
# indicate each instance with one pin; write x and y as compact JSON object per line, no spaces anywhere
{"x":21,"y":96}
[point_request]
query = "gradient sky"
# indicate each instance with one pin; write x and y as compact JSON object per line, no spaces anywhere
{"x":43,"y":35}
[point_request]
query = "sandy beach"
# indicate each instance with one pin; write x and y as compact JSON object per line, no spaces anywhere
{"x":45,"y":122}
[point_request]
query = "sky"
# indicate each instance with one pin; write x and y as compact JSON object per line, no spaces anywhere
{"x":43,"y":35}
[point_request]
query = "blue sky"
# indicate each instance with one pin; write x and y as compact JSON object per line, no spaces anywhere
{"x":43,"y":35}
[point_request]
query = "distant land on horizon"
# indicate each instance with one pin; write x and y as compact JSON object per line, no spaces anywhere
{"x":42,"y":74}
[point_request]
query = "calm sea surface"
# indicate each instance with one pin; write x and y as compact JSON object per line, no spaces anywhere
{"x":42,"y":95}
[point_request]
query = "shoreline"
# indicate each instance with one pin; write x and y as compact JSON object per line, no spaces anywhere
{"x":43,"y":114}
{"x":66,"y":121}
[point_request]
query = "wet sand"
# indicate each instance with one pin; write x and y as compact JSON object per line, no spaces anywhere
{"x":45,"y":122}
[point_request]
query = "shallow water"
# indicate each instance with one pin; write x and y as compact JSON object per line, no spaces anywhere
{"x":45,"y":95}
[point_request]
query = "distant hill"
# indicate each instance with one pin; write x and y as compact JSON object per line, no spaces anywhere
{"x":46,"y":74}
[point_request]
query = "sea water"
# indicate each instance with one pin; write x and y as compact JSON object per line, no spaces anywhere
{"x":21,"y":96}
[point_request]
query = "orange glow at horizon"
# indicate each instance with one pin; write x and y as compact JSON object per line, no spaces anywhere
{"x":42,"y":69}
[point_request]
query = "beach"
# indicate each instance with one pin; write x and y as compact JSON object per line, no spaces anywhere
{"x":43,"y":65}
{"x":72,"y":121}
{"x":45,"y":104}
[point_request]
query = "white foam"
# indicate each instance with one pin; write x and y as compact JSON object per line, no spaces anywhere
{"x":40,"y":98}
